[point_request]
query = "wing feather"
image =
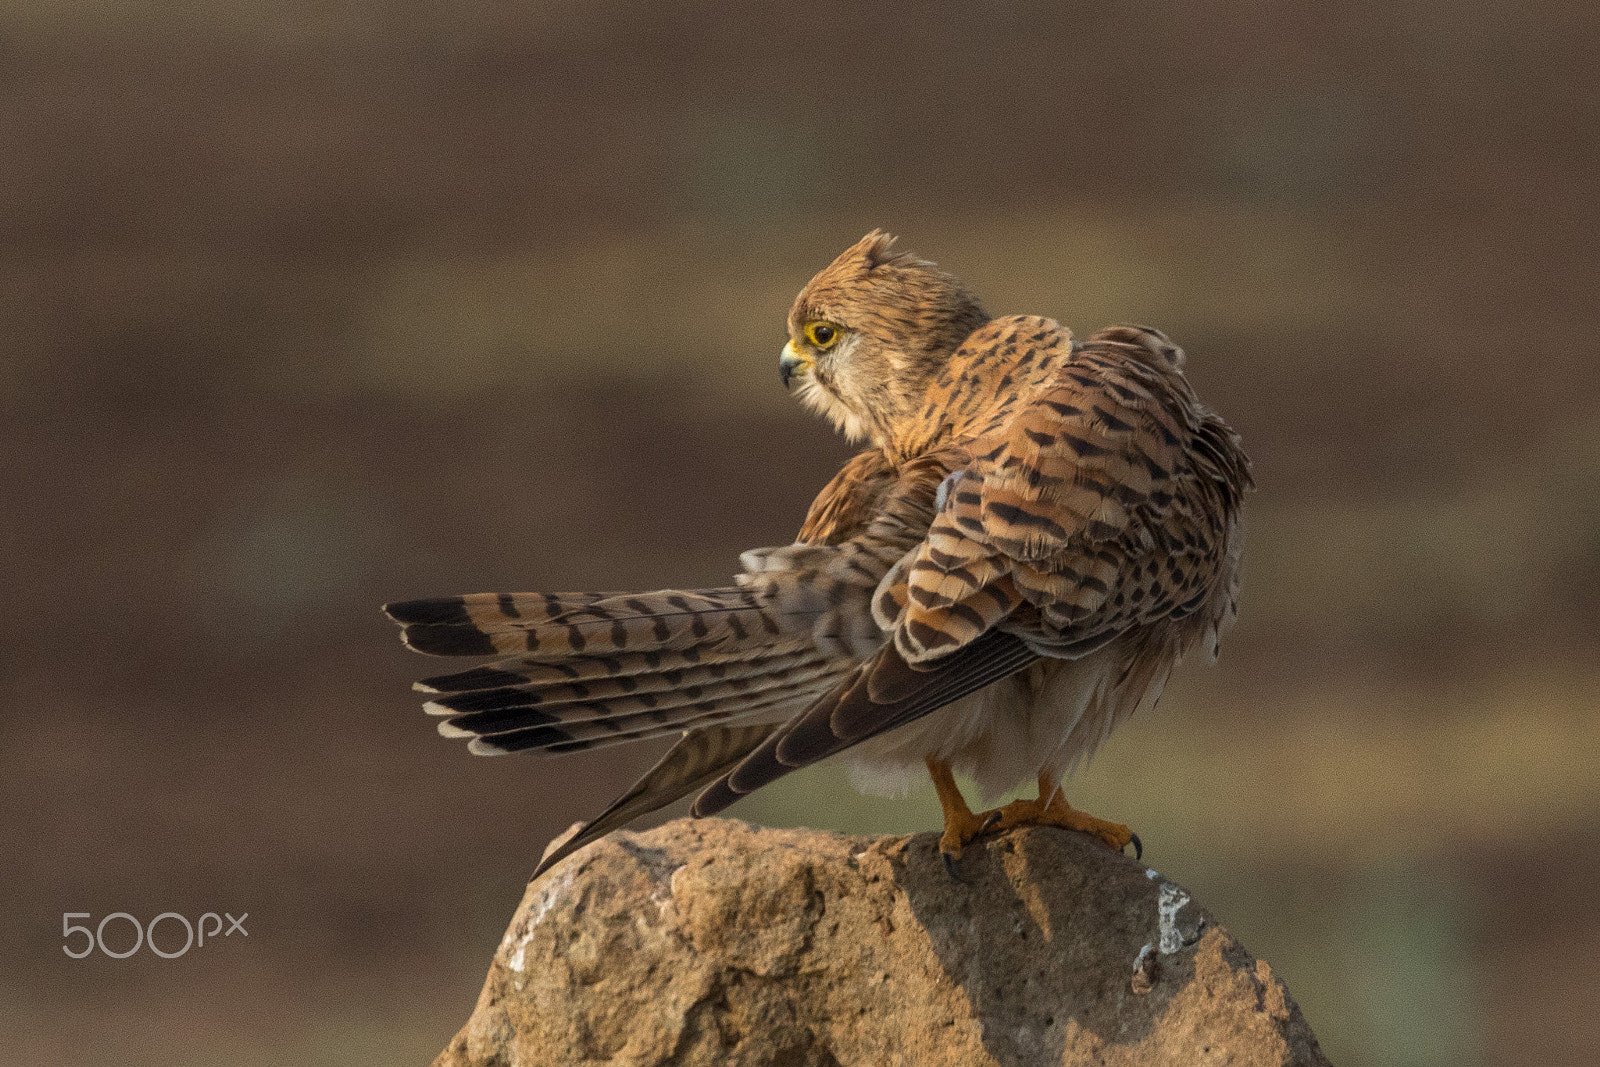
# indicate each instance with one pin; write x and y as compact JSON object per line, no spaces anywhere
{"x":699,"y":757}
{"x":881,"y":695}
{"x":1081,"y":498}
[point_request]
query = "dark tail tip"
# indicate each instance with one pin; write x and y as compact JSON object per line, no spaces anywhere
{"x":444,"y":611}
{"x":466,"y":681}
{"x":464,"y":640}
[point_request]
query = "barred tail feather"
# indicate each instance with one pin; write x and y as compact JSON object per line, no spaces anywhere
{"x":554,"y":626}
{"x":569,"y":727}
{"x":522,"y":671}
{"x":594,"y":669}
{"x":773,"y":706}
{"x":677,"y":679}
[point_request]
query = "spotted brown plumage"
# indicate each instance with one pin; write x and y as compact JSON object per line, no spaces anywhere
{"x":1036,"y":532}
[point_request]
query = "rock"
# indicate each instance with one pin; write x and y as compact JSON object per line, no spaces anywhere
{"x":714,"y":942}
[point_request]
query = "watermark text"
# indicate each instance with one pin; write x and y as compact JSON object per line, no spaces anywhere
{"x":79,"y":941}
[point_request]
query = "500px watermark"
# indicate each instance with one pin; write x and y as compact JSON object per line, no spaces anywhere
{"x":146,"y":934}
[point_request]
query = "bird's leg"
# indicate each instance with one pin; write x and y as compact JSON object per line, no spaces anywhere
{"x":1052,"y":809}
{"x":960,"y":824}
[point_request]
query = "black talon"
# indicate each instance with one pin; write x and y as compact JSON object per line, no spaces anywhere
{"x":994,"y":817}
{"x":1138,"y":847}
{"x":950,"y":866}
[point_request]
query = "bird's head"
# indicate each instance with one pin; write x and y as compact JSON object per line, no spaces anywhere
{"x":868,"y":333}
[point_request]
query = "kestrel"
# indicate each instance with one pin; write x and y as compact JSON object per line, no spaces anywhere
{"x":1036,"y":532}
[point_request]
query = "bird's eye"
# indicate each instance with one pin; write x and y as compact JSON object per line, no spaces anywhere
{"x":822,"y":334}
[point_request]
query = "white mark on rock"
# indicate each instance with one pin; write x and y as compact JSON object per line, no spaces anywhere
{"x":1170,"y":902}
{"x":541,"y":907}
{"x":1150,"y":872}
{"x":548,"y":898}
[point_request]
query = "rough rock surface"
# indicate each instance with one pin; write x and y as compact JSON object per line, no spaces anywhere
{"x":713,"y":942}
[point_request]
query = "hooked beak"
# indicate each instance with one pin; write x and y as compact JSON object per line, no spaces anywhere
{"x":791,"y":363}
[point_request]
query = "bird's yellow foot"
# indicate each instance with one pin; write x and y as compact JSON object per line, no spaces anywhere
{"x":960,"y":829}
{"x":1052,"y":809}
{"x":960,"y":824}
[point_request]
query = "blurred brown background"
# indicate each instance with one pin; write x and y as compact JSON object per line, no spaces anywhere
{"x":308,"y":306}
